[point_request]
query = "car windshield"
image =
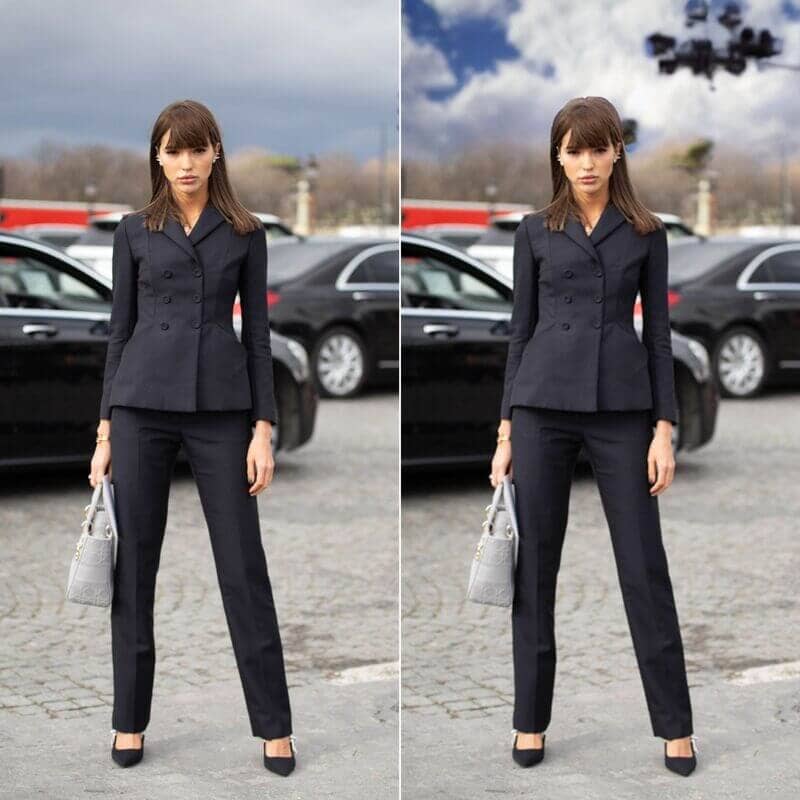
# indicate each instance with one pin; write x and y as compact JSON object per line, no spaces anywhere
{"x":689,"y":260}
{"x":499,"y":235}
{"x":288,"y":260}
{"x":95,"y":235}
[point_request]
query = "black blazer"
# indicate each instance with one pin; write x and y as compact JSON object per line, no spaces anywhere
{"x":573,"y":345}
{"x":172,"y":345}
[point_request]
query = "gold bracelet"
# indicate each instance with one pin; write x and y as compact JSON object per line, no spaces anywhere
{"x":103,"y":437}
{"x":503,"y":438}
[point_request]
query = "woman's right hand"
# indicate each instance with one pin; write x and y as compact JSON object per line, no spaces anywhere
{"x":500,"y":463}
{"x":100,"y":461}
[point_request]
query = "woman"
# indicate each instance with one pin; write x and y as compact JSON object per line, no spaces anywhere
{"x":177,"y":375}
{"x":578,"y":376}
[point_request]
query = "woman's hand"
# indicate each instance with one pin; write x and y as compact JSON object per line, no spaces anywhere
{"x":660,"y":460}
{"x":502,"y":454}
{"x":260,"y":464}
{"x":100,"y":461}
{"x":102,"y":455}
{"x":500,"y":463}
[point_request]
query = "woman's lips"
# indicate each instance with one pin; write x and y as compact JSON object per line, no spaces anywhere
{"x":588,"y":180}
{"x":187,"y":180}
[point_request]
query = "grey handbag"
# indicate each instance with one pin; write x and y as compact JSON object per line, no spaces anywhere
{"x":491,"y":578}
{"x":91,"y":572}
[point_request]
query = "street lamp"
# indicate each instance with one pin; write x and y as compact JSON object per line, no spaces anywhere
{"x":309,"y":173}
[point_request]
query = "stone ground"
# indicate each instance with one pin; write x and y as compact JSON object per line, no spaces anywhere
{"x":329,"y":525}
{"x":730,"y":526}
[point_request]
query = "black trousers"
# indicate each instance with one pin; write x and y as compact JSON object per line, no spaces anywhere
{"x":144,"y":447}
{"x":546,"y":444}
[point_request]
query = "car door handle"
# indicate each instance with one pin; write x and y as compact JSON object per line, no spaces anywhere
{"x":500,"y":328}
{"x":437,"y":329}
{"x":766,"y":295}
{"x":362,"y":295}
{"x":32,"y":329}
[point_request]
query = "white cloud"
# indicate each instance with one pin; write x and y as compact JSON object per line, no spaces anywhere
{"x":598,"y":49}
{"x":424,"y":67}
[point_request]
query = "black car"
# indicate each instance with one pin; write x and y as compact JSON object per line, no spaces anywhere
{"x":455,"y":325}
{"x":54,"y":314}
{"x":741,"y":298}
{"x":338,"y":296}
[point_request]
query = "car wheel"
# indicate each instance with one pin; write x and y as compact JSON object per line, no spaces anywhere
{"x":740,"y":362}
{"x":340,"y":363}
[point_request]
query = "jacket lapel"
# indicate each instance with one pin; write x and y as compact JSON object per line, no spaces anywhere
{"x":610,"y":220}
{"x":209,"y":219}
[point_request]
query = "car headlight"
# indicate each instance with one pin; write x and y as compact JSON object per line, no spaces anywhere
{"x":299,"y":352}
{"x":699,"y":351}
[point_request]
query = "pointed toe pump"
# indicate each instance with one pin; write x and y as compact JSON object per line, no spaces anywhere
{"x":281,"y":765}
{"x":682,"y":765}
{"x":528,"y":757}
{"x":128,"y":756}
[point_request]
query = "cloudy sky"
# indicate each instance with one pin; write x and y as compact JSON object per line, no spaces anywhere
{"x":479,"y":69}
{"x":295,"y":78}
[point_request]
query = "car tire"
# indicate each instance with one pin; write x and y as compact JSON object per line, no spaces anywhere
{"x":340,"y":364}
{"x":741,"y":362}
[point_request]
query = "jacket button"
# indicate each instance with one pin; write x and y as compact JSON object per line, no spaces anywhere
{"x":164,"y":326}
{"x":195,"y":324}
{"x":196,"y":298}
{"x":167,"y":273}
{"x":567,"y":298}
{"x":599,"y":273}
{"x":567,"y":273}
{"x":167,"y":298}
{"x":598,"y":298}
{"x":565,"y":325}
{"x":197,"y":272}
{"x":596,"y":323}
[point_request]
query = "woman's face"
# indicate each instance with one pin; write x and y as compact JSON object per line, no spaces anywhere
{"x":588,"y":170}
{"x":188,"y":169}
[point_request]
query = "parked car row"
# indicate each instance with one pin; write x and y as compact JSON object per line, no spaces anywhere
{"x":455,"y":318}
{"x":739,"y":296}
{"x":54,"y":315}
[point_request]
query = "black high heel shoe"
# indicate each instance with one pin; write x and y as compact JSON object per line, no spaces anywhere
{"x":281,"y":765}
{"x":682,"y":765}
{"x":127,"y":756}
{"x":530,"y":756}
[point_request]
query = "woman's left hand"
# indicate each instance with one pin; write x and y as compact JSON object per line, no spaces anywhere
{"x":660,"y":460}
{"x":260,"y":464}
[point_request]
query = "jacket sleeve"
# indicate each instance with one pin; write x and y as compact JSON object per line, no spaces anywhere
{"x":656,"y":334}
{"x":524,"y":313}
{"x":255,"y":327}
{"x":124,"y":276}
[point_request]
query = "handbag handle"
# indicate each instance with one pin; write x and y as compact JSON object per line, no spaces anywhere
{"x":108,"y":503}
{"x":106,"y":490}
{"x":504,"y":489}
{"x":89,"y":511}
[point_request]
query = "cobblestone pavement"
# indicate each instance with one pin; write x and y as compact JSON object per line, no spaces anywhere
{"x":329,"y":525}
{"x":730,"y":527}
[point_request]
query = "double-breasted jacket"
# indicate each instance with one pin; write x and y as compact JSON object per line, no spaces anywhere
{"x":572,"y":343}
{"x":172,"y":345}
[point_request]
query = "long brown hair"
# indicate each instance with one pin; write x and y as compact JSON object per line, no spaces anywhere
{"x":594,"y":122}
{"x":191,"y":124}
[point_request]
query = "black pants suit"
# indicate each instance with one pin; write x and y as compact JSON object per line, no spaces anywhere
{"x":578,"y":376}
{"x":177,"y":375}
